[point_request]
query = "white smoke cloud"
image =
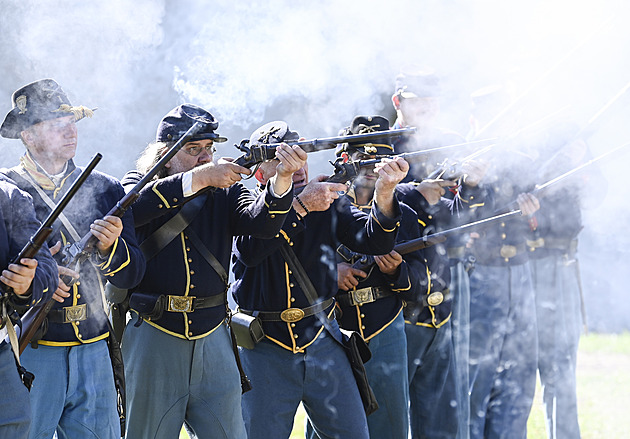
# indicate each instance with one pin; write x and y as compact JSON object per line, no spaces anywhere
{"x":316,"y":65}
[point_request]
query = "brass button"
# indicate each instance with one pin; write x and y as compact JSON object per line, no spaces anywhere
{"x":502,"y":224}
{"x":187,"y":249}
{"x":192,"y":286}
{"x":362,"y":315}
{"x":190,"y":333}
{"x":503,"y":236}
{"x":292,"y":299}
{"x":277,"y":235}
{"x":78,"y":296}
{"x":290,"y":272}
{"x":295,"y":336}
{"x":293,"y":325}
{"x":291,"y":285}
{"x":174,"y":200}
{"x":293,"y":224}
{"x":185,"y":237}
{"x":189,"y":259}
{"x":362,"y":326}
{"x":290,"y":244}
{"x":80,"y":336}
{"x":192,"y":272}
{"x":430,"y":216}
{"x":77,"y":323}
{"x":272,"y":216}
{"x":190,"y":322}
{"x":160,"y":206}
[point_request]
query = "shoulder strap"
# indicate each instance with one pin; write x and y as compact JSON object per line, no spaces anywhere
{"x":173,"y":227}
{"x":307,"y":286}
{"x":51,"y":204}
{"x":208,"y":256}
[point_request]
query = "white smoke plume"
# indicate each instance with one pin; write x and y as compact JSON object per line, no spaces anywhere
{"x":318,"y":64}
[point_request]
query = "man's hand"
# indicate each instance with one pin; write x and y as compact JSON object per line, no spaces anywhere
{"x":528,"y":204}
{"x":221,"y":174}
{"x":347,"y":276}
{"x":474,"y":171}
{"x":62,"y":291}
{"x":433,"y":190}
{"x":390,"y":173}
{"x":19,"y":276}
{"x":292,"y":159}
{"x":318,"y":195}
{"x":107,"y":231}
{"x":389,"y":263}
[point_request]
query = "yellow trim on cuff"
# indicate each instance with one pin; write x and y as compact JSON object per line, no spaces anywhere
{"x":154,"y":189}
{"x":124,"y":264}
{"x":386,"y":230}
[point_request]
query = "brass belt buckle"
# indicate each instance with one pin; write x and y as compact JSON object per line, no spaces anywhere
{"x":508,"y":251}
{"x":291,"y":315}
{"x":75,"y":313}
{"x":435,"y":298}
{"x":180,"y":303}
{"x":364,"y":295}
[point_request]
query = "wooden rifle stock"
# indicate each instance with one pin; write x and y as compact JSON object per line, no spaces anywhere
{"x":34,"y":317}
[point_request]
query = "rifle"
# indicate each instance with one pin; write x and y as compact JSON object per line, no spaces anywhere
{"x":256,"y":154}
{"x":34,"y":317}
{"x":75,"y":254}
{"x":347,"y":170}
{"x":366,"y":262}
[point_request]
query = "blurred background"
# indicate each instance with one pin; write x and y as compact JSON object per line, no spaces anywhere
{"x":318,"y":64}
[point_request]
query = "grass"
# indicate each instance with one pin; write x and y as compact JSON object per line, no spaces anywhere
{"x":603,"y":375}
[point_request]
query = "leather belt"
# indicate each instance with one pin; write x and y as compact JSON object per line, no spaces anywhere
{"x":68,"y":314}
{"x":291,"y":315}
{"x":362,"y":295}
{"x":500,"y":255}
{"x":191,"y":303}
{"x":567,"y":245}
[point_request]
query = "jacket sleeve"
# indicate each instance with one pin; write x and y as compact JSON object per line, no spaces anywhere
{"x":22,"y":228}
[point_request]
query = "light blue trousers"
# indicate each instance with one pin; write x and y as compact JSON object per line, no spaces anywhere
{"x":73,"y":392}
{"x":173,"y":382}
{"x":15,"y":407}
{"x":320,"y":378}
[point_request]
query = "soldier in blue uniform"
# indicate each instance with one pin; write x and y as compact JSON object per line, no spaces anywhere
{"x":373,"y":305}
{"x":300,"y":359}
{"x":32,"y":281}
{"x":417,"y":103}
{"x":503,"y":347}
{"x":75,"y":393}
{"x":178,"y":352}
{"x":556,"y":279}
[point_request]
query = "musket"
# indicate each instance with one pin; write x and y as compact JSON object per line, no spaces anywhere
{"x":366,"y":262}
{"x":347,"y":170}
{"x":260,"y":152}
{"x":78,"y":252}
{"x":34,"y":317}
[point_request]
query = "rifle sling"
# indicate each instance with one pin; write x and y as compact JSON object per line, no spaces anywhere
{"x":159,"y":239}
{"x":307,"y":286}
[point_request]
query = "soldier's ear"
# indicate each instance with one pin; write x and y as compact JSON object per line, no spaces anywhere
{"x":27,"y":137}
